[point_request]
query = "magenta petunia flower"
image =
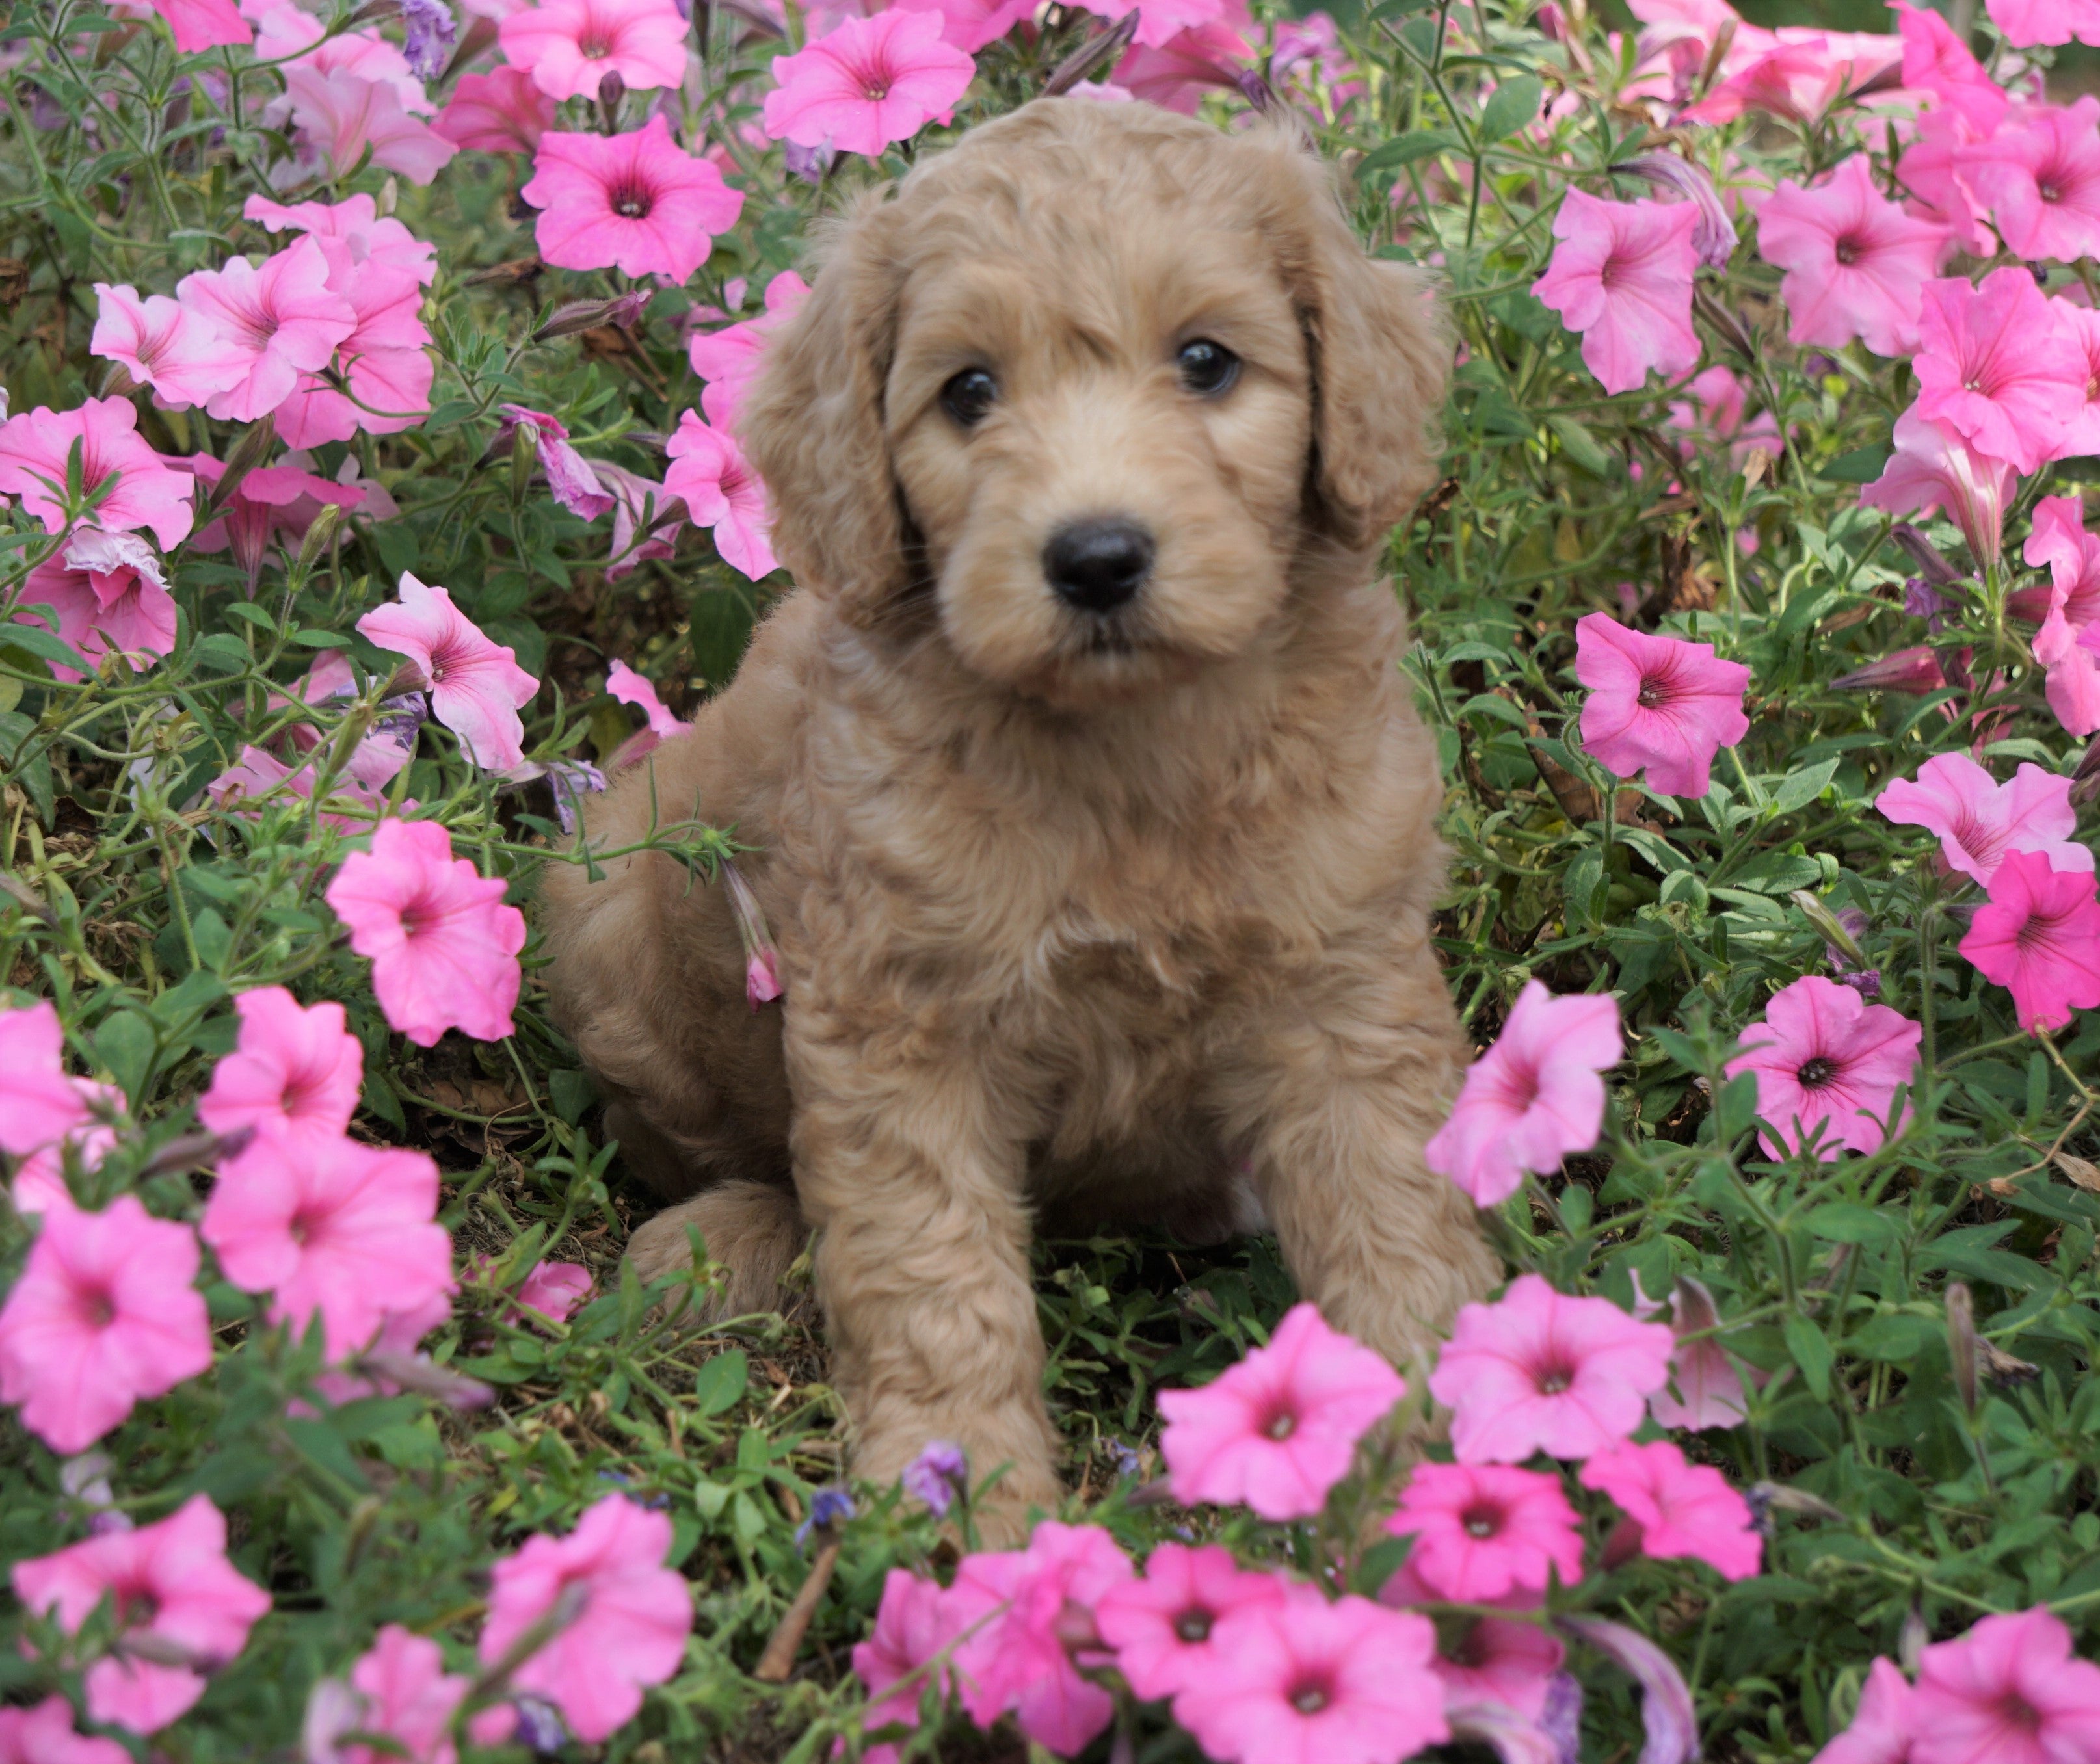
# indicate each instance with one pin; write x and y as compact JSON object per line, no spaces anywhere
{"x":2039,"y":172}
{"x":172,"y":1589}
{"x":1934,"y":468}
{"x":1938,"y":61}
{"x":45,"y":1735}
{"x":629,"y":1632}
{"x":355,"y":221}
{"x":476,"y":685}
{"x":283,"y":317}
{"x":385,"y":358}
{"x":1621,"y":276}
{"x":400,"y":1689}
{"x":2028,"y":22}
{"x":2039,"y":937}
{"x":503,"y":111}
{"x":2060,"y":542}
{"x":1978,"y":819}
{"x":142,"y":491}
{"x":1997,"y":366}
{"x":1683,"y":1509}
{"x":1884,"y":1724}
{"x":2008,"y":1692}
{"x":1533,"y":1097}
{"x":1658,"y":701}
{"x":1856,"y":264}
{"x":1303,"y":1681}
{"x":1280,"y":1428}
{"x":729,"y":360}
{"x":340,"y":113}
{"x":554,"y":1289}
{"x":39,"y":1104}
{"x":569,"y":45}
{"x":624,"y":684}
{"x":2070,"y":656}
{"x":444,"y":947}
{"x":298,"y":1069}
{"x":332,"y":1227}
{"x":1826,"y":1058}
{"x":162,"y":344}
{"x":272,"y":502}
{"x":912,"y":1625}
{"x":1161,"y":1626}
{"x":1540,"y":1372}
{"x":720,"y":489}
{"x":971,"y":25}
{"x":569,"y":476}
{"x":636,"y":202}
{"x":868,"y":83}
{"x":1500,"y":1659}
{"x":1483,"y":1531}
{"x":198,"y":25}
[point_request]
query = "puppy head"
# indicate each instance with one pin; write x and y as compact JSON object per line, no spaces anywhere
{"x":1098,"y":376}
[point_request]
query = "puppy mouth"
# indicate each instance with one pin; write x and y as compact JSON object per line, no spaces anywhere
{"x":1109,"y":638}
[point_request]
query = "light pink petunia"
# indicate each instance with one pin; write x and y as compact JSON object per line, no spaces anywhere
{"x":645,"y":518}
{"x":1658,"y":701}
{"x":868,"y":83}
{"x":1932,"y":467}
{"x":1715,"y":412}
{"x":354,"y":223}
{"x":200,"y":25}
{"x":628,"y":1633}
{"x":332,"y":1227}
{"x":1483,"y":1531}
{"x":720,"y":489}
{"x":971,"y":25}
{"x":1936,"y":60}
{"x":2026,"y":22}
{"x":1978,"y":820}
{"x":1488,"y":1659}
{"x":1303,"y":1681}
{"x":1856,"y":264}
{"x":45,"y":1735}
{"x":729,"y":360}
{"x":2010,"y":1691}
{"x":444,"y":947}
{"x":1176,"y":75}
{"x":1705,"y":1389}
{"x":284,"y":317}
{"x":572,"y":477}
{"x":1621,"y":276}
{"x":1161,"y":1626}
{"x":385,"y":358}
{"x":2040,"y":938}
{"x":1160,"y":21}
{"x":912,"y":1625}
{"x":39,"y":1103}
{"x":503,"y":111}
{"x":298,"y":1069}
{"x":397,"y":1344}
{"x":476,"y":685}
{"x":101,"y":613}
{"x":1280,"y":1428}
{"x":1798,"y":80}
{"x":554,"y":1289}
{"x":161,"y":343}
{"x":401,"y":1690}
{"x":2060,"y":542}
{"x":1825,"y":1058}
{"x":1532,"y":1098}
{"x":142,"y":492}
{"x":1934,"y":177}
{"x":637,"y":202}
{"x":341,"y":114}
{"x":1540,"y":1371}
{"x":1997,"y":366}
{"x":172,"y":1589}
{"x":2071,"y":656}
{"x":624,"y":684}
{"x":1884,"y":1726}
{"x":1683,"y":1509}
{"x":569,"y":45}
{"x":2040,"y":173}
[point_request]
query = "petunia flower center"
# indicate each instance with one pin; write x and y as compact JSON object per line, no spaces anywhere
{"x":2016,"y":1711}
{"x":1656,"y":692}
{"x":137,"y":1606}
{"x":1194,"y":1624}
{"x":1281,"y":1424}
{"x":2049,"y":191}
{"x":1847,"y":251}
{"x":874,"y":91}
{"x":98,"y":1310}
{"x":1816,"y":1073}
{"x":1555,"y":1376}
{"x":632,"y":202}
{"x":300,"y":1227}
{"x":1482,"y":1522}
{"x":2038,"y":933}
{"x":1308,"y":1696}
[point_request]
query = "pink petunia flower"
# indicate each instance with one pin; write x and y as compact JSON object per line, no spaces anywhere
{"x":284,"y":317}
{"x":1280,"y":1428}
{"x":1487,"y":1660}
{"x":355,"y":222}
{"x":340,"y":113}
{"x":39,"y":1104}
{"x":629,"y":1631}
{"x":199,"y":24}
{"x":868,"y":83}
{"x":1883,"y":1727}
{"x":1826,"y":1058}
{"x":569,"y":45}
{"x":1160,"y":21}
{"x":1935,"y":176}
{"x":476,"y":685}
{"x":1936,"y":60}
{"x":171,"y":1582}
{"x":1658,"y":701}
{"x":385,"y":358}
{"x":503,"y":111}
{"x":710,"y":475}
{"x":401,"y":1690}
{"x":1997,"y":366}
{"x":1683,"y":1509}
{"x":1302,"y":1681}
{"x":142,"y":492}
{"x":1621,"y":276}
{"x":1176,"y":75}
{"x":2071,"y":657}
{"x":162,"y":344}
{"x":554,"y":1289}
{"x":1978,"y":820}
{"x":1532,"y":1099}
{"x":1161,"y":1626}
{"x":271,"y":503}
{"x":971,"y":25}
{"x":2026,"y":22}
{"x":1856,"y":264}
{"x":298,"y":1069}
{"x":103,"y":612}
{"x":2060,"y":542}
{"x":1705,"y":1389}
{"x":1483,"y":1531}
{"x":396,"y":1346}
{"x":2039,"y":172}
{"x":569,"y":476}
{"x":1798,"y":80}
{"x":645,"y":518}
{"x":1540,"y":1371}
{"x":45,"y":1735}
{"x":913,"y":1624}
{"x":444,"y":947}
{"x":638,"y":202}
{"x":729,"y":360}
{"x":2040,"y":938}
{"x":624,"y":684}
{"x":1932,"y":467}
{"x":1716,"y":410}
{"x":2008,"y":1692}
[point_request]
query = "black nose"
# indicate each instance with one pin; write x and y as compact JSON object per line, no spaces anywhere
{"x":1097,"y":565}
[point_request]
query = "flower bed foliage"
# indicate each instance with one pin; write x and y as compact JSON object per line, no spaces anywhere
{"x":374,"y":377}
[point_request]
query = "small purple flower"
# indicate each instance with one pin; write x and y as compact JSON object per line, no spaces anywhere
{"x":1713,"y":234}
{"x":827,"y":1507}
{"x":1562,"y":1717}
{"x":431,"y":30}
{"x":935,"y":1475}
{"x":1127,"y":1463}
{"x":569,"y":476}
{"x":1866,"y":981}
{"x":1922,"y":600}
{"x":539,"y":1725}
{"x":812,"y":164}
{"x":571,"y":781}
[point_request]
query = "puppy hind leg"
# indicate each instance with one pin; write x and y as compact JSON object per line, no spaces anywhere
{"x":754,"y":1229}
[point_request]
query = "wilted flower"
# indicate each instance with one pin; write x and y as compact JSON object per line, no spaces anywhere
{"x":936,"y":1474}
{"x":1714,"y":237}
{"x":569,"y":475}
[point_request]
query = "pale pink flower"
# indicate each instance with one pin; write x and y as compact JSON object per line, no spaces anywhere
{"x":298,"y":1069}
{"x":1500,"y":1659}
{"x":868,"y":83}
{"x":1174,"y":75}
{"x":571,"y":477}
{"x":1856,"y":264}
{"x":912,"y":1625}
{"x":198,"y":25}
{"x":628,"y":1633}
{"x":1160,"y":21}
{"x":2039,"y":172}
{"x":171,"y":1582}
{"x":272,"y":502}
{"x":2008,"y":1692}
{"x":342,"y":113}
{"x":1302,"y":1681}
{"x":101,"y":613}
{"x":1934,"y":467}
{"x":1705,"y":1389}
{"x":645,"y":518}
{"x":1826,"y":1058}
{"x":554,"y":1289}
{"x":1533,"y":1097}
{"x":637,"y":202}
{"x":385,"y":359}
{"x":284,"y":317}
{"x":331,"y":1227}
{"x":476,"y":685}
{"x":569,"y":45}
{"x":971,"y":25}
{"x":1997,"y":366}
{"x":1936,"y":60}
{"x":1978,"y":820}
{"x":1683,"y":1509}
{"x":503,"y":111}
{"x":2060,"y":540}
{"x":444,"y":947}
{"x":2040,"y":938}
{"x":1716,"y":408}
{"x":624,"y":684}
{"x":1621,"y":276}
{"x":1280,"y":1428}
{"x":1797,"y":79}
{"x":1483,"y":1531}
{"x":1161,"y":1626}
{"x":162,"y":344}
{"x":45,"y":1735}
{"x":1933,"y":171}
{"x":1658,"y":701}
{"x":404,"y":1693}
{"x":258,"y":775}
{"x":142,"y":491}
{"x":1884,"y":1726}
{"x":720,"y":489}
{"x":2070,"y":654}
{"x":729,"y":360}
{"x":356,"y":223}
{"x":39,"y":1104}
{"x":2026,"y":22}
{"x":1540,"y":1371}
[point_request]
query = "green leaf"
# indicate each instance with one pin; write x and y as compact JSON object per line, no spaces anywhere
{"x":2001,"y":1268}
{"x":1738,"y":1110}
{"x":1580,"y":447}
{"x":1893,"y":1336}
{"x":1862,"y":466}
{"x":45,"y":646}
{"x":572,"y":1093}
{"x":1404,"y":149}
{"x":125,"y":1043}
{"x":1848,"y":1221}
{"x":322,"y":1446}
{"x":248,"y":613}
{"x":1514,"y":103}
{"x":1801,"y":788}
{"x":1812,"y":1352}
{"x":720,"y":1384}
{"x":1778,"y":872}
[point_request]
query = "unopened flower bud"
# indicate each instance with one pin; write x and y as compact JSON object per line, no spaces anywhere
{"x":1097,"y":50}
{"x":320,"y":535}
{"x":524,"y":455}
{"x":1713,"y":234}
{"x":1915,"y":669}
{"x":1962,"y":1341}
{"x":573,"y":317}
{"x":248,"y":452}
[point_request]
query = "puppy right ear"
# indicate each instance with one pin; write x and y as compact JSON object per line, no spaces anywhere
{"x":813,"y":425}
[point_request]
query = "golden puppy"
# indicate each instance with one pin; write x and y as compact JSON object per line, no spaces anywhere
{"x":1089,"y":805}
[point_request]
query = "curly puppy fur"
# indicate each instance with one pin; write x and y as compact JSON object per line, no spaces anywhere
{"x":1099,"y":919}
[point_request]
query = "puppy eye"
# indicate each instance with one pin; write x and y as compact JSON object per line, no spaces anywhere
{"x":1207,"y":367}
{"x":968,"y":395}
